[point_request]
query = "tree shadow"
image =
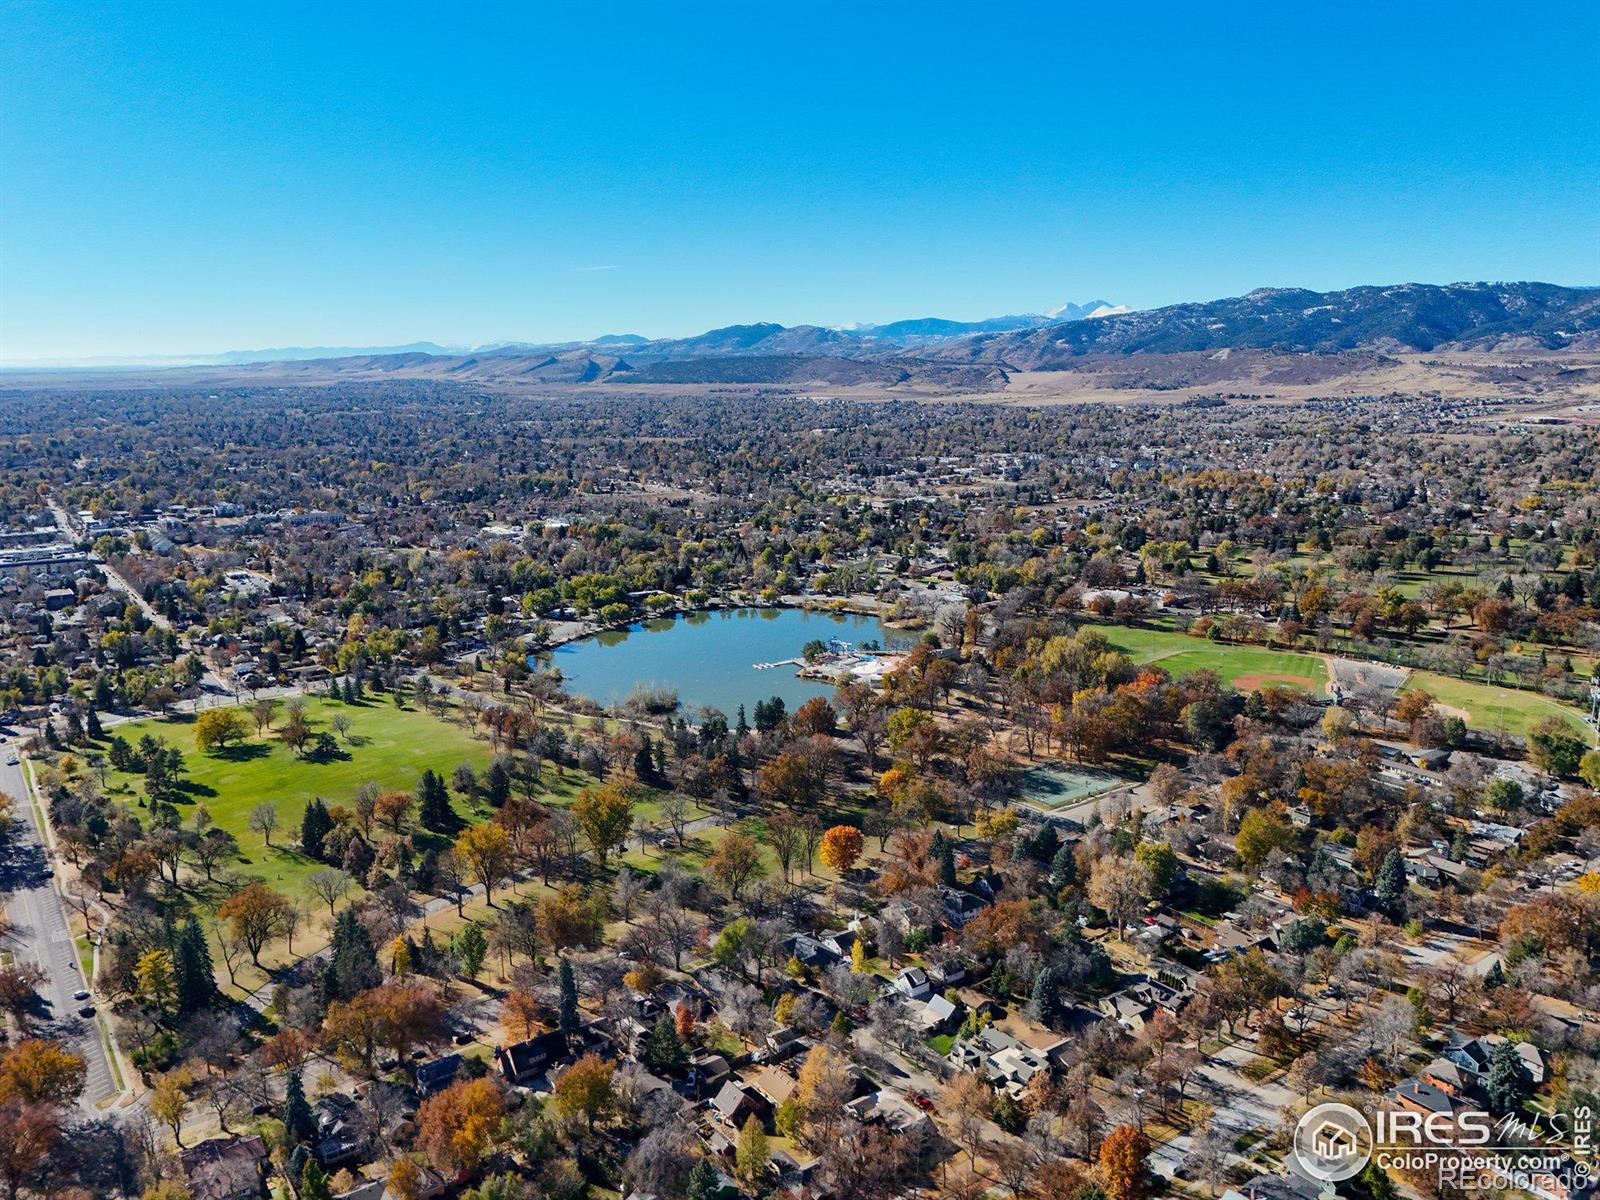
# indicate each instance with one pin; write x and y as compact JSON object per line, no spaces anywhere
{"x":242,"y":751}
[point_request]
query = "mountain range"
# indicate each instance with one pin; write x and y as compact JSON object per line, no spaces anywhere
{"x":1268,"y":338}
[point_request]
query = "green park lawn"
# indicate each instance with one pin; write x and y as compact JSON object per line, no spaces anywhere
{"x":1486,"y":706}
{"x":1246,"y":667}
{"x":386,"y":745}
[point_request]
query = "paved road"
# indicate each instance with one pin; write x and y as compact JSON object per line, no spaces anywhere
{"x":43,"y":936}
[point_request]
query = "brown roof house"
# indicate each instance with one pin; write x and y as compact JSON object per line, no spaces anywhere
{"x":226,"y":1168}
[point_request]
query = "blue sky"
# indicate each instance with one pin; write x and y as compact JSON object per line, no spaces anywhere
{"x":211,"y":177}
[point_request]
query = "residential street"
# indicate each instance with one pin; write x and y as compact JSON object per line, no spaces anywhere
{"x":43,"y":936}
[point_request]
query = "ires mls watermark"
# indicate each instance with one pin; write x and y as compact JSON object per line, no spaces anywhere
{"x":1550,"y":1155}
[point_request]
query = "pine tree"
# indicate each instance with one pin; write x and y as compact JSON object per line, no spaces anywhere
{"x":297,"y":1122}
{"x":569,"y":1000}
{"x":497,"y":784}
{"x":1504,"y":1086}
{"x":1045,"y":1004}
{"x":704,"y":1182}
{"x":353,"y":956}
{"x":1391,"y":883}
{"x":947,"y":865}
{"x":644,"y":762}
{"x":315,"y":824}
{"x":314,"y":1182}
{"x":96,"y":731}
{"x":663,"y":1051}
{"x":1063,"y":869}
{"x":196,"y":986}
{"x":434,"y":812}
{"x":1495,"y":977}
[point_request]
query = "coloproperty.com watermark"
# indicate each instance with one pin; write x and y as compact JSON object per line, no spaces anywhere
{"x":1471,"y":1150}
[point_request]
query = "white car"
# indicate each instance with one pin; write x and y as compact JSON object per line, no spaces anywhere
{"x":12,"y":760}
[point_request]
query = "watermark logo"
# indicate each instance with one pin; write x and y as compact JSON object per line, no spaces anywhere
{"x":1333,"y":1142}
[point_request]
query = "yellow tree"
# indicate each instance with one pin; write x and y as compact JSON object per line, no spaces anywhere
{"x":40,"y":1071}
{"x":156,"y":977}
{"x":487,"y":851}
{"x":605,"y":815}
{"x":584,"y":1089}
{"x":168,"y":1102}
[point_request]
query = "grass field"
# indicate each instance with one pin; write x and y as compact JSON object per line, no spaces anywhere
{"x":1485,"y":706}
{"x":1245,"y":667}
{"x":388,"y":746}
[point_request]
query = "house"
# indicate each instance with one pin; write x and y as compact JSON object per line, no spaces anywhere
{"x":781,"y":1042}
{"x":707,"y":1073}
{"x":437,"y":1074}
{"x":1474,"y":1054}
{"x":959,"y":906}
{"x":771,"y":1084}
{"x":1428,"y":760}
{"x":735,"y":1104}
{"x":1447,"y":1076}
{"x":936,"y":1014}
{"x":226,"y":1168}
{"x":527,"y":1063}
{"x":913,"y":984}
{"x":339,"y":1139}
{"x":894,"y":1110}
{"x":1002,"y":1059}
{"x":1419,"y":1096}
{"x":809,"y":951}
{"x":429,"y":1183}
{"x":1138,"y":1003}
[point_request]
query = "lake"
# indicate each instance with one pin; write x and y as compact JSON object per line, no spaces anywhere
{"x":710,"y":657}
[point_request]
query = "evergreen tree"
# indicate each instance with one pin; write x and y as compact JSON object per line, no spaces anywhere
{"x":314,"y":1182}
{"x":664,"y":1051}
{"x":1063,"y":869}
{"x":644,"y":762}
{"x":353,"y":957}
{"x":1504,"y":1087}
{"x":1495,"y":977}
{"x":191,"y":957}
{"x":1045,"y":1005}
{"x":315,"y":824}
{"x":434,"y":811}
{"x":1390,"y":886}
{"x":96,"y":731}
{"x":297,"y":1122}
{"x":497,"y":784}
{"x":569,"y":1000}
{"x":704,"y":1182}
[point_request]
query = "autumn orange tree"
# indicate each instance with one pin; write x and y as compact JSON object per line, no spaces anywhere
{"x":40,"y":1071}
{"x":457,"y":1126}
{"x":841,"y":846}
{"x":520,"y":1016}
{"x":584,"y":1089}
{"x":255,"y":915}
{"x":1122,"y":1162}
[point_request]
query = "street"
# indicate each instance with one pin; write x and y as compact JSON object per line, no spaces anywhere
{"x":42,"y":936}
